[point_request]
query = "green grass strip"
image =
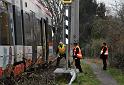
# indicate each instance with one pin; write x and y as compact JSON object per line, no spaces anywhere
{"x":117,"y":75}
{"x":85,"y":78}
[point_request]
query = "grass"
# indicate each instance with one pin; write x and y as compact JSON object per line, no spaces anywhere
{"x":117,"y":75}
{"x":85,"y":78}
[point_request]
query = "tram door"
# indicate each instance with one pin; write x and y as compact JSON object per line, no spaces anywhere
{"x":44,"y":39}
{"x":4,"y":30}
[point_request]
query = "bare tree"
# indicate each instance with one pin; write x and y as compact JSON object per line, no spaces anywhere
{"x":55,"y":7}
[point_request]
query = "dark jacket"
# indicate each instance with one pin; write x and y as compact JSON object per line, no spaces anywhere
{"x":104,"y":50}
{"x":75,"y":54}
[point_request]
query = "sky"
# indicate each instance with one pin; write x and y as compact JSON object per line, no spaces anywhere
{"x":112,"y":5}
{"x":108,"y":2}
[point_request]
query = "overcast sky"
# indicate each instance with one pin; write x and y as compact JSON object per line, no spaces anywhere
{"x":111,"y":4}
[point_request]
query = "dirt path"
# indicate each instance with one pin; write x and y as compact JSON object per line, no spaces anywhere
{"x":105,"y":78}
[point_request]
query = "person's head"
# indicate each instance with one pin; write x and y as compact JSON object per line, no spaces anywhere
{"x":75,"y":44}
{"x":60,"y":43}
{"x":104,"y":44}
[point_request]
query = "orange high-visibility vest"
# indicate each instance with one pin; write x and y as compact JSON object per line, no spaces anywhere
{"x":106,"y":52}
{"x":79,"y":54}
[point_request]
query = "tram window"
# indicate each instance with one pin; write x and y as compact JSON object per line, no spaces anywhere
{"x":33,"y":28}
{"x":38,"y":32}
{"x":41,"y":30}
{"x":27,"y":30}
{"x":4,"y":24}
{"x":25,"y":4}
{"x":49,"y":33}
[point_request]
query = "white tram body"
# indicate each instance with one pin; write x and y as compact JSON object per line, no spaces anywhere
{"x":25,"y":32}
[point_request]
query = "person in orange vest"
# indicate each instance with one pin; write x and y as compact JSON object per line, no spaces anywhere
{"x":104,"y":55}
{"x":77,"y":55}
{"x":61,"y":51}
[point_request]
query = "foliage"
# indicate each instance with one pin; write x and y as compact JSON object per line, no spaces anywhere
{"x":97,"y":29}
{"x":121,"y":13}
{"x":117,"y":74}
{"x":109,"y":31}
{"x":96,"y":47}
{"x":87,"y":10}
{"x":86,"y":15}
{"x":101,"y":9}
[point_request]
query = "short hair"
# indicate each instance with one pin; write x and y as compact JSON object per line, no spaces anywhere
{"x":104,"y":43}
{"x":75,"y":43}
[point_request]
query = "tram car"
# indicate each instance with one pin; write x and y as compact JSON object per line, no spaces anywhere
{"x":25,"y":35}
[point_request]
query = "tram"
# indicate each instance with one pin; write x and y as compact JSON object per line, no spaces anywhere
{"x":25,"y":34}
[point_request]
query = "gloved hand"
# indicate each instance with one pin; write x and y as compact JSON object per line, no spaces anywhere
{"x":57,"y":55}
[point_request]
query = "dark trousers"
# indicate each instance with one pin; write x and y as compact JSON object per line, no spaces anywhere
{"x":104,"y":59}
{"x":77,"y":64}
{"x":59,"y":58}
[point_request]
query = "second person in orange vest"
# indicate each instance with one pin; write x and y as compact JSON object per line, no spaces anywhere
{"x":104,"y":55}
{"x":77,"y":55}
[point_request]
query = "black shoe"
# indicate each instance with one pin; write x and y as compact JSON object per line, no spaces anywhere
{"x":104,"y":69}
{"x":80,"y":71}
{"x":56,"y":66}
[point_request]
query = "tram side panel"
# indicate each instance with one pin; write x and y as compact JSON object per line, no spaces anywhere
{"x":23,"y":34}
{"x":31,"y":40}
{"x":38,"y":21}
{"x":6,"y":41}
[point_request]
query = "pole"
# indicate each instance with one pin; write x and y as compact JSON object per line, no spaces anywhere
{"x":75,"y":21}
{"x":69,"y":33}
{"x":67,"y":26}
{"x":67,"y":57}
{"x":64,"y":25}
{"x":67,"y":43}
